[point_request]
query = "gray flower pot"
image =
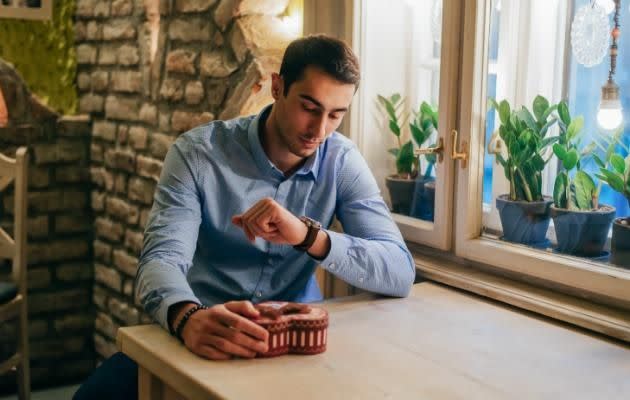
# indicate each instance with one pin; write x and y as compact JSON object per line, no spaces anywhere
{"x":400,"y":193}
{"x":523,"y":221}
{"x":423,"y":203}
{"x":582,"y":233}
{"x":620,"y":243}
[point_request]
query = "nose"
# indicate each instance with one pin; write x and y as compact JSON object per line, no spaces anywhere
{"x":318,"y":128}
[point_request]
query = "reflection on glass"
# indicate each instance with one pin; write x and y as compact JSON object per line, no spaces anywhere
{"x":553,"y":179}
{"x":400,"y":90}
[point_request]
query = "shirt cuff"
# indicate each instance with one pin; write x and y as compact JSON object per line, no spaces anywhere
{"x":162,"y":311}
{"x":337,"y":255}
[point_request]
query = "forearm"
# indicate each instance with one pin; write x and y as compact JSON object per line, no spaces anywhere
{"x":381,"y":266}
{"x":160,"y":285}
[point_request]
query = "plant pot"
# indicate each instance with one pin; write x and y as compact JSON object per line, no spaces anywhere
{"x":423,"y":202}
{"x":582,"y":233}
{"x":523,"y":221}
{"x":620,"y":243}
{"x":401,"y":193}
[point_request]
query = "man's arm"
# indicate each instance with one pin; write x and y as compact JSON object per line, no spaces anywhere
{"x":170,"y":236}
{"x":219,"y":332}
{"x":371,"y":253}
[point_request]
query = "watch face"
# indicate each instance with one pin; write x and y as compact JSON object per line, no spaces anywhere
{"x":311,"y":222}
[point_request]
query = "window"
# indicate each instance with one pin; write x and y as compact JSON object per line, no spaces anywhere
{"x":513,"y":50}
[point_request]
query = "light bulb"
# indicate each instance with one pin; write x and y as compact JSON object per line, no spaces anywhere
{"x":609,"y":115}
{"x":607,"y":5}
{"x":609,"y":118}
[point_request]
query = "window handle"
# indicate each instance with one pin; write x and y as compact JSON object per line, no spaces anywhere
{"x":462,"y":154}
{"x":437,"y":149}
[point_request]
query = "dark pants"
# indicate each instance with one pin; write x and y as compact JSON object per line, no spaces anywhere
{"x":116,"y":378}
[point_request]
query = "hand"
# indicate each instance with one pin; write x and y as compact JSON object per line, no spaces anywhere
{"x":223,"y":331}
{"x":272,"y":222}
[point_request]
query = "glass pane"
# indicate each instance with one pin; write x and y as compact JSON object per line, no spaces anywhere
{"x":400,"y":92}
{"x":556,"y":170}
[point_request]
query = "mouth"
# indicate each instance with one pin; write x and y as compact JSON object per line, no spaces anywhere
{"x":309,"y":143}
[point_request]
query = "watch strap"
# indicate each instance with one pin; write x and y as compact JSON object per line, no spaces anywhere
{"x":311,"y":234}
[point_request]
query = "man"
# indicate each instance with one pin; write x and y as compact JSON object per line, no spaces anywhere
{"x":237,"y":211}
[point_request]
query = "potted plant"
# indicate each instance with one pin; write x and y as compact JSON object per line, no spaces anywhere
{"x":581,"y":223}
{"x":619,"y":180}
{"x":422,"y":127}
{"x":406,"y":187}
{"x":524,"y":212}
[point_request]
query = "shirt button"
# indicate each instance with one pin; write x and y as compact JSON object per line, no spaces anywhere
{"x":360,"y":279}
{"x":258,"y":293}
{"x":332,"y":266}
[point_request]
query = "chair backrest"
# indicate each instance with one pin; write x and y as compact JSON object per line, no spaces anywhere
{"x":14,"y":248}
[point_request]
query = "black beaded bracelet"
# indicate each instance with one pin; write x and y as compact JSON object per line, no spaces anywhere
{"x":182,"y":322}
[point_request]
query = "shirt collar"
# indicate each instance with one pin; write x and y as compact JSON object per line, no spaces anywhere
{"x":310,"y":167}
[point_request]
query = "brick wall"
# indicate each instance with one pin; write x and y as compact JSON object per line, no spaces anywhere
{"x":148,"y":71}
{"x":59,"y":236}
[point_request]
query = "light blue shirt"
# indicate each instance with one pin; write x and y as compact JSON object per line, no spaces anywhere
{"x":193,"y":252}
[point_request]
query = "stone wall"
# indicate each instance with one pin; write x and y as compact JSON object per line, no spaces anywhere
{"x":59,"y":236}
{"x":149,"y":71}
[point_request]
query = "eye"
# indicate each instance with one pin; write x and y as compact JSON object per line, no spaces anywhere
{"x":309,"y":108}
{"x":335,"y":116}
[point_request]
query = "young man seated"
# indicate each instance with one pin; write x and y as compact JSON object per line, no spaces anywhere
{"x":241,"y":211}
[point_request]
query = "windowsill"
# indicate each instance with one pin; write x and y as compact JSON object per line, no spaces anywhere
{"x":604,"y":319}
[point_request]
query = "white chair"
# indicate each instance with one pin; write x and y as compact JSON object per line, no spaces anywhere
{"x":13,"y":293}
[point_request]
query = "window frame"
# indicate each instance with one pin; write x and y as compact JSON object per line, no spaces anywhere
{"x":582,"y":275}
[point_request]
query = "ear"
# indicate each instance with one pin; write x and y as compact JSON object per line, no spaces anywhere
{"x":277,"y":86}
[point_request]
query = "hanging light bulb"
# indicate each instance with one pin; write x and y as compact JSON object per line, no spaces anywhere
{"x":609,"y":115}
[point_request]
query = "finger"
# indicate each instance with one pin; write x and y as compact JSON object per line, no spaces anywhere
{"x":239,"y":338}
{"x":243,"y":324}
{"x":211,"y":353}
{"x":248,"y":232}
{"x":237,"y":220}
{"x":226,"y":346}
{"x":243,"y":307}
{"x":252,"y":220}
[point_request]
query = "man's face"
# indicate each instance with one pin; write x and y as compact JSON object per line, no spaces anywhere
{"x":312,"y":109}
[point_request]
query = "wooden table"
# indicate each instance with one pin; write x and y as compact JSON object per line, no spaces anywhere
{"x":438,"y":343}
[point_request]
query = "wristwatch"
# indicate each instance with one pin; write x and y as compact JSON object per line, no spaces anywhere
{"x":313,"y":229}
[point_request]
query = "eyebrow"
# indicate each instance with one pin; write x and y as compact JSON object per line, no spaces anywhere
{"x":320,"y":105}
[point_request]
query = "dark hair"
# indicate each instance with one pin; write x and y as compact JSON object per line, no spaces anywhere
{"x":331,"y":55}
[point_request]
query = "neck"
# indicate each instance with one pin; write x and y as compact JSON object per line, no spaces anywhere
{"x":275,"y":149}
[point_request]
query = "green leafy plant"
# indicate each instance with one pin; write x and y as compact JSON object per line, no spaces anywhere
{"x":618,"y":178}
{"x":422,"y":126}
{"x":574,"y":188}
{"x":524,"y":134}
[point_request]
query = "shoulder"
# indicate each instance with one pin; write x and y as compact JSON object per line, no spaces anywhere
{"x":214,"y":135}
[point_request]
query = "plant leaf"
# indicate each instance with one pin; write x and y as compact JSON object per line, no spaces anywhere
{"x":528,"y":118}
{"x":584,"y":190}
{"x":418,"y":135}
{"x":613,"y":180}
{"x":394,"y":152}
{"x":571,"y":159}
{"x":560,"y":190}
{"x":504,"y":112}
{"x":393,"y":126}
{"x":575,"y":127}
{"x":405,"y":158}
{"x":618,"y":163}
{"x":559,"y":151}
{"x":541,"y":105}
{"x":563,"y":112}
